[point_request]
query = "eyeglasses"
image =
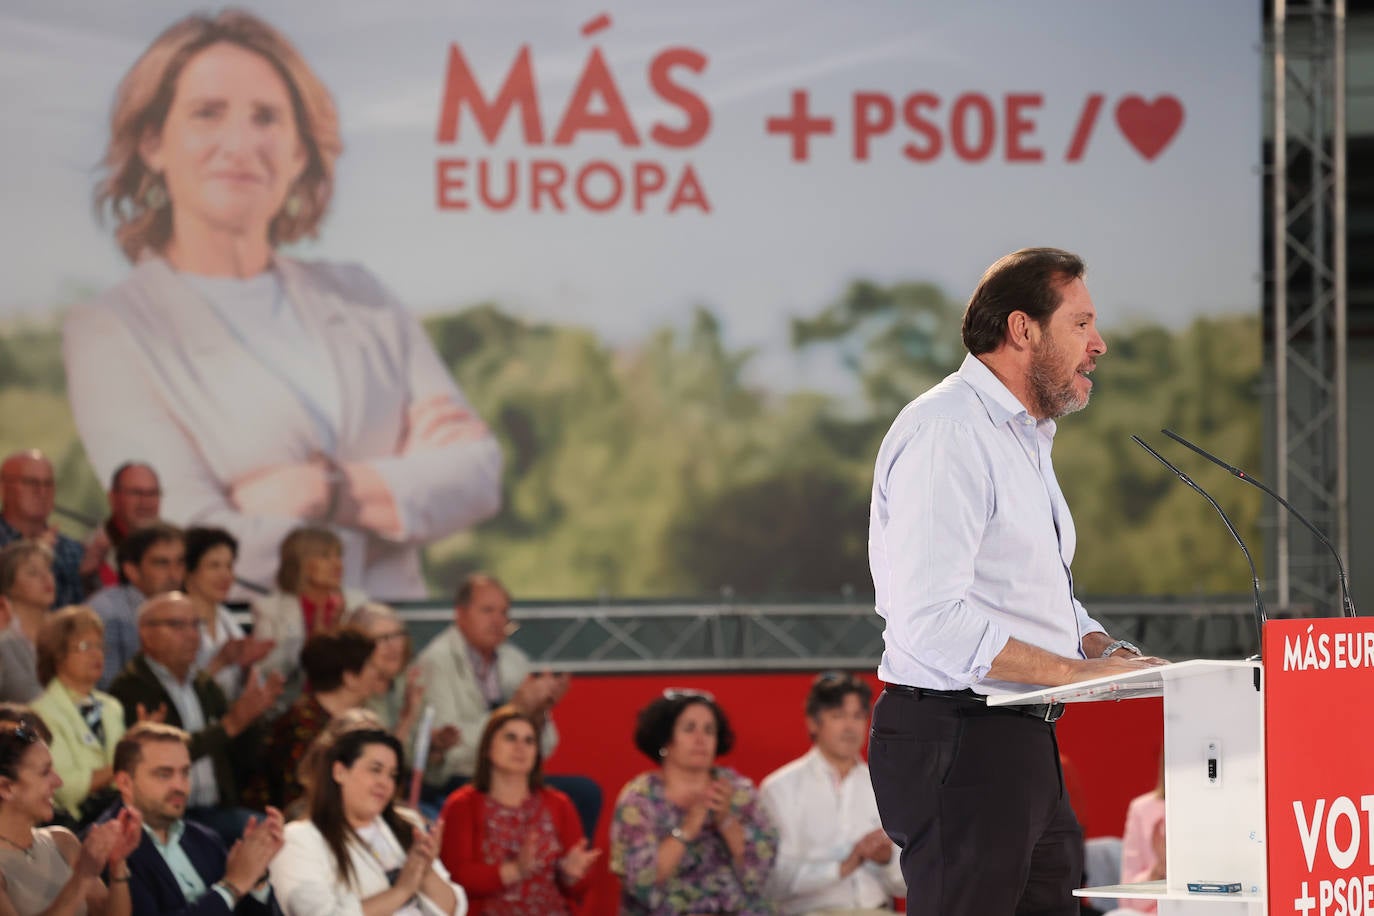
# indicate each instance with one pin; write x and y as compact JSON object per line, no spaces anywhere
{"x":86,"y":645}
{"x":388,"y":637}
{"x":25,"y":733}
{"x":688,"y":693}
{"x":140,"y":493}
{"x":35,"y":483}
{"x":181,"y":626}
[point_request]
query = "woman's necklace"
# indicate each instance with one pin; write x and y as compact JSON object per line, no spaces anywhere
{"x":26,"y":850}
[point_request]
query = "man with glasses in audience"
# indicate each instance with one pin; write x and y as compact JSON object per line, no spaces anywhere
{"x":135,"y":502}
{"x":161,"y":681}
{"x":28,"y":490}
{"x":833,"y":856}
{"x":152,"y":560}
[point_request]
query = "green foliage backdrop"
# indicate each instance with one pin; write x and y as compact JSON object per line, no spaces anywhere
{"x":660,"y":470}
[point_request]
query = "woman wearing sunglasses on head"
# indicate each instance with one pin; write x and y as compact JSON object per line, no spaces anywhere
{"x":47,"y":870}
{"x":691,"y":836}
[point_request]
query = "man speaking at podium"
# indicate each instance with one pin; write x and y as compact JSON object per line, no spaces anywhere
{"x":970,"y":543}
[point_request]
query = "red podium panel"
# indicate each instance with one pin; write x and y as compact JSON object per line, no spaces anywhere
{"x":1319,"y":761}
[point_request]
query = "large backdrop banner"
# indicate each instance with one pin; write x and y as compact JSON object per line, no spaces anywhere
{"x":613,"y":299}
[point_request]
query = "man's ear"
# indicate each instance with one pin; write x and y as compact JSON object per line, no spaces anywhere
{"x":125,"y":784}
{"x":1022,"y":330}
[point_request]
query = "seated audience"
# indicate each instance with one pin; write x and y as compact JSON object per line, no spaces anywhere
{"x":356,"y":853}
{"x":225,"y":739}
{"x":1142,"y":843}
{"x":310,"y":598}
{"x":179,"y":867}
{"x":27,"y":589}
{"x":470,"y":669}
{"x":690,"y":836}
{"x":152,"y":560}
{"x":86,"y":723}
{"x":27,"y":493}
{"x":399,"y":701}
{"x":135,"y":501}
{"x":225,"y":652}
{"x":515,"y":845}
{"x":832,"y":852}
{"x":47,"y":870}
{"x":339,"y":678}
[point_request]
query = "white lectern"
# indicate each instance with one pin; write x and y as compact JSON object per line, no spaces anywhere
{"x":1268,"y":773}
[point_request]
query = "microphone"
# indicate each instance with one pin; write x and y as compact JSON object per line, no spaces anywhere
{"x":1260,"y":617}
{"x":1347,"y":606}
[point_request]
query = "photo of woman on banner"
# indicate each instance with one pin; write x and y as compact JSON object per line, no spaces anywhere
{"x":267,"y":391}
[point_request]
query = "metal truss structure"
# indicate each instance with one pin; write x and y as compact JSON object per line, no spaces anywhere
{"x":1308,"y":298}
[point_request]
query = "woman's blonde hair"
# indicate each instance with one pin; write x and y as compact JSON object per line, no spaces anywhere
{"x":295,"y":547}
{"x":145,"y":96}
{"x":58,"y":628}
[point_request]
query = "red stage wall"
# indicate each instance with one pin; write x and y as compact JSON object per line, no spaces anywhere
{"x":1113,"y":747}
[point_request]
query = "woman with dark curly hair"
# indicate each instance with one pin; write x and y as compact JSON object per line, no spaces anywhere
{"x":690,"y":836}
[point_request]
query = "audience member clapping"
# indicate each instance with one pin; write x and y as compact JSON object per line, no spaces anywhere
{"x":514,"y":844}
{"x":832,"y":852}
{"x":310,"y":598}
{"x":340,"y":677}
{"x":26,"y":593}
{"x":86,"y":723}
{"x":152,"y":560}
{"x":470,"y":669}
{"x":225,"y":652}
{"x":179,"y":867}
{"x":161,"y":680}
{"x":690,"y":836}
{"x":47,"y":870}
{"x":356,"y":853}
{"x":27,"y":495}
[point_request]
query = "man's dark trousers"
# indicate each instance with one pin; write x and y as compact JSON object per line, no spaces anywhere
{"x":974,"y":796}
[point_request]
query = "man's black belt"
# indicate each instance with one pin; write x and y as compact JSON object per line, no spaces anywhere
{"x":1048,"y":712}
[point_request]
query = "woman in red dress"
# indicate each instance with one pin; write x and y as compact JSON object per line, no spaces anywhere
{"x":515,"y":845}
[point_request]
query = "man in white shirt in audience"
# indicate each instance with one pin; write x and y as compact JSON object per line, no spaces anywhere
{"x":833,"y":856}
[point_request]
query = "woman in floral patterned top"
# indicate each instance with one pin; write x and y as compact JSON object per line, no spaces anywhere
{"x":690,"y":837}
{"x":515,"y":845}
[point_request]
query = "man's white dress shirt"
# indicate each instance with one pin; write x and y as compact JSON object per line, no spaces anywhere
{"x":970,"y":539}
{"x":820,"y":816}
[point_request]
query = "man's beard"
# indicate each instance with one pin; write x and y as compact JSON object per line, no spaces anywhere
{"x":1054,"y":397}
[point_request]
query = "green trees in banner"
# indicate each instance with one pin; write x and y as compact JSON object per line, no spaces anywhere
{"x":676,"y":467}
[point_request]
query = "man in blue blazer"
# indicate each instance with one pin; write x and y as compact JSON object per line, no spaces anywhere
{"x":181,"y":867}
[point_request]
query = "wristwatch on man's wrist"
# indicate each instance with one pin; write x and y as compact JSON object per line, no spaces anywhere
{"x":1120,"y":644}
{"x":680,"y":835}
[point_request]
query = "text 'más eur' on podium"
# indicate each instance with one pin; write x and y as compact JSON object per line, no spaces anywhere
{"x":1268,"y":772}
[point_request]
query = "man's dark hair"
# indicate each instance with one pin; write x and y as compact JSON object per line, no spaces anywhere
{"x":126,"y":466}
{"x":474,"y":581}
{"x":133,"y":547}
{"x":654,"y":727}
{"x":1031,"y":280}
{"x":200,"y":541}
{"x":327,"y":657}
{"x":829,"y":690}
{"x":129,"y":750}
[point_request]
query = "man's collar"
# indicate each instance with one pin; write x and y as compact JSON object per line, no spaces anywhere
{"x":174,"y":833}
{"x":164,"y":674}
{"x":1002,"y":406}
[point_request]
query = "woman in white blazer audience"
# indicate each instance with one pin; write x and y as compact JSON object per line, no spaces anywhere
{"x":269,"y":391}
{"x":356,"y":854}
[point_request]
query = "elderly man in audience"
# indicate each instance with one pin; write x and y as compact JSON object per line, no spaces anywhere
{"x":832,"y":855}
{"x":135,"y":501}
{"x":27,"y":492}
{"x":152,"y":560}
{"x":225,"y":740}
{"x":469,"y":670}
{"x":180,"y":868}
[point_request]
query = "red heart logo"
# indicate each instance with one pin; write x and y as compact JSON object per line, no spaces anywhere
{"x":1149,"y":125}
